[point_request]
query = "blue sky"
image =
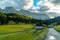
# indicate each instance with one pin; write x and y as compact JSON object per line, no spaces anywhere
{"x":36,"y":1}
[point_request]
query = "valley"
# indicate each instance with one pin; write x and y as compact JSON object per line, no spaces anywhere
{"x":21,"y":32}
{"x":26,"y":25}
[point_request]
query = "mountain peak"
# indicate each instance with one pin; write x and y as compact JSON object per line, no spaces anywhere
{"x":9,"y":10}
{"x":34,"y":15}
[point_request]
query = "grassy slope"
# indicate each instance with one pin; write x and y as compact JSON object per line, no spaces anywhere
{"x":20,"y":32}
{"x":57,"y":28}
{"x":14,"y":27}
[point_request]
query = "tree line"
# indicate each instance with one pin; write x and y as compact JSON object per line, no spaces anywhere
{"x":6,"y":18}
{"x":15,"y":18}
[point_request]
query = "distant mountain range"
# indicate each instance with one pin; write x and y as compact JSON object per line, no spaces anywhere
{"x":34,"y":15}
{"x":52,"y":14}
{"x":8,"y":10}
{"x":55,"y":20}
{"x":28,"y":13}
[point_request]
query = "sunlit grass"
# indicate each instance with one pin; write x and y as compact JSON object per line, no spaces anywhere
{"x":7,"y":29}
{"x":57,"y":28}
{"x":21,"y":32}
{"x":11,"y":28}
{"x":26,"y":35}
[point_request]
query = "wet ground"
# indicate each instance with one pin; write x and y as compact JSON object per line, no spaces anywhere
{"x":53,"y":34}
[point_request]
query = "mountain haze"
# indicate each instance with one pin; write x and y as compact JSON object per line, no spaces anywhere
{"x":30,"y":14}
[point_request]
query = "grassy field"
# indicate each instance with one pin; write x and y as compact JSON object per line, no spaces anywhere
{"x":57,"y":28}
{"x":21,"y":32}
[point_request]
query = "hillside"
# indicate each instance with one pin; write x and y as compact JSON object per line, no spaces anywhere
{"x":54,"y":20}
{"x":34,"y":15}
{"x":42,"y":16}
{"x":26,"y":13}
{"x":15,"y":18}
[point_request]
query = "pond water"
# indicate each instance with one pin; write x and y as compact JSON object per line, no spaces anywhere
{"x":53,"y":34}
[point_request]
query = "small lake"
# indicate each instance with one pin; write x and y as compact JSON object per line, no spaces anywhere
{"x":53,"y":34}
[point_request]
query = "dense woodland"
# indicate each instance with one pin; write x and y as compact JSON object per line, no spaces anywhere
{"x":55,"y":20}
{"x":15,"y":18}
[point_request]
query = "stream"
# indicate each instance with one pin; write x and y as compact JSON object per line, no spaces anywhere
{"x":53,"y":34}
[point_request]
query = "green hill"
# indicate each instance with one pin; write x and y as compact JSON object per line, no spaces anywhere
{"x":15,"y":18}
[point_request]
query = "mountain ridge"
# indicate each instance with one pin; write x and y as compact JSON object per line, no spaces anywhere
{"x":28,"y":13}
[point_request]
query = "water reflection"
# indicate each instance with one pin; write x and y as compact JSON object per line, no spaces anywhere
{"x":53,"y":35}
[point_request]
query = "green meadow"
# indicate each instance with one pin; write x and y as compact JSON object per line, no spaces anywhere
{"x":21,"y":32}
{"x":57,"y":28}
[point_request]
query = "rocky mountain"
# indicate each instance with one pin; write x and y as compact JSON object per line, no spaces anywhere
{"x":34,"y":15}
{"x":52,"y":14}
{"x":9,"y":10}
{"x":54,"y":20}
{"x":1,"y":10}
{"x":30,"y":14}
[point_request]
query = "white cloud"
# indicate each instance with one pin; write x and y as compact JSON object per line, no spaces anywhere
{"x":55,"y":9}
{"x":5,"y":3}
{"x":35,"y":8}
{"x":13,"y":3}
{"x":28,"y":4}
{"x":2,"y":2}
{"x":42,"y":5}
{"x":20,"y":4}
{"x":48,"y":6}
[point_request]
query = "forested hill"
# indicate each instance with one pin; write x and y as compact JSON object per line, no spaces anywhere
{"x":15,"y":18}
{"x":54,"y":20}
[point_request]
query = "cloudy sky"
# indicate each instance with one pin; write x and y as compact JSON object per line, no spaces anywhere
{"x":36,"y":5}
